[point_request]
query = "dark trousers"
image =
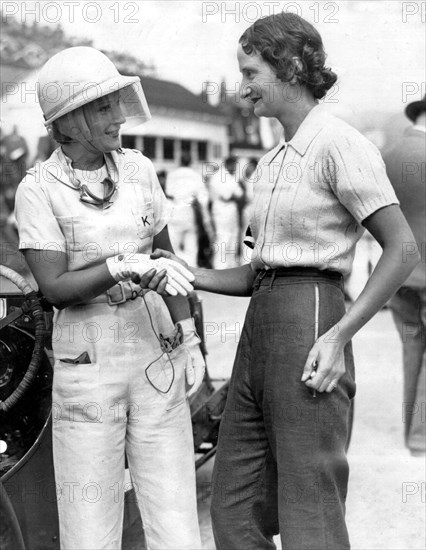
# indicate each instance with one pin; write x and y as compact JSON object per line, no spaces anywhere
{"x":281,"y":463}
{"x":409,"y":312}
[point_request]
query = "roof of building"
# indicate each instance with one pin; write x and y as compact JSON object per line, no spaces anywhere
{"x":163,"y":93}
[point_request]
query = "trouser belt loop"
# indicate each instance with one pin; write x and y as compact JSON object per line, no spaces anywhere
{"x":259,"y":278}
{"x":273,"y":275}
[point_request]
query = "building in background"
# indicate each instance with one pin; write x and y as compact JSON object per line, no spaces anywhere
{"x":182,"y":122}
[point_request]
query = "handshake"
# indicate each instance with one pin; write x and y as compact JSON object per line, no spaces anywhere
{"x":134,"y":266}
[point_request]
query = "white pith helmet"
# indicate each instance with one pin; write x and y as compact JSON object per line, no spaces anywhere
{"x":76,"y":76}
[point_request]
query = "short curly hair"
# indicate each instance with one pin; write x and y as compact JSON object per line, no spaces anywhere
{"x":281,"y":37}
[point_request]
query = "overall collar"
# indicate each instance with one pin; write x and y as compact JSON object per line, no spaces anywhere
{"x":60,"y":167}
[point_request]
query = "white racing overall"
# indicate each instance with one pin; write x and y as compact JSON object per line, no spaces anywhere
{"x":105,"y":407}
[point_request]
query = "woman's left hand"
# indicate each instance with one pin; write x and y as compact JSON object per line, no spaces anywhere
{"x":325,"y":364}
{"x":196,"y":367}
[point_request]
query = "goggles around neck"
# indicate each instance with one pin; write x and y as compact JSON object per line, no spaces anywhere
{"x":110,"y":182}
{"x":87,"y":196}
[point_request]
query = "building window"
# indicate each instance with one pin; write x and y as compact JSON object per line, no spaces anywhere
{"x":149,"y":144}
{"x":217,"y":150}
{"x":202,"y":150}
{"x":128,"y":142}
{"x":168,"y":149}
{"x":186,"y":146}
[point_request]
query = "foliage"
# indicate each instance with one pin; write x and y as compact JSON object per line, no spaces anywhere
{"x":29,"y":46}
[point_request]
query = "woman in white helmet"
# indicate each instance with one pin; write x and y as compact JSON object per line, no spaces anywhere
{"x":88,"y":219}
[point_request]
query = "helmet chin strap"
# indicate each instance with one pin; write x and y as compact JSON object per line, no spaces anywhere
{"x":82,"y":132}
{"x":85,"y":135}
{"x":74,"y":125}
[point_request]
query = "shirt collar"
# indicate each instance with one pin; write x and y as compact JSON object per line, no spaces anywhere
{"x":312,"y":124}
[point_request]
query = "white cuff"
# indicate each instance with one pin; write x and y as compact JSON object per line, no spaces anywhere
{"x":115,"y":267}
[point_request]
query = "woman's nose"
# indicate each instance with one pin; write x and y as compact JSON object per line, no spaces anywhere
{"x":245,"y":89}
{"x":118,"y":116}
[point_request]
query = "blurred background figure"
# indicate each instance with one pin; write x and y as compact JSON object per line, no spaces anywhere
{"x":405,"y":164}
{"x":227,"y":196}
{"x":13,"y":164}
{"x":162,"y":179}
{"x":244,"y":204}
{"x":14,"y":153}
{"x":186,"y":189}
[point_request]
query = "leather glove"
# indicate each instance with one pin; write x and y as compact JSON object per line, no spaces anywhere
{"x":126,"y":266}
{"x":194,"y":371}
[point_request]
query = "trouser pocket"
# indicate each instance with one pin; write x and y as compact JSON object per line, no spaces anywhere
{"x":76,"y":395}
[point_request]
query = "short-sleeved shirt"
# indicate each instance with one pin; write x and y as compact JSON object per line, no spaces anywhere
{"x":312,"y":194}
{"x":52,"y":217}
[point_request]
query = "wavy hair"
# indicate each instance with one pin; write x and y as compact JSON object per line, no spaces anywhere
{"x":280,"y":38}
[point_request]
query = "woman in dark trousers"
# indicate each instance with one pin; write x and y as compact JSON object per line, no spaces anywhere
{"x":281,"y":463}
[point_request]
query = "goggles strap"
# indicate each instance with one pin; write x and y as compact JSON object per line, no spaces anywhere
{"x":110,"y":182}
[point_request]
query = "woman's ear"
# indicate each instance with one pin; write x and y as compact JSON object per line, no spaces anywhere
{"x":297,"y":62}
{"x":298,"y":68}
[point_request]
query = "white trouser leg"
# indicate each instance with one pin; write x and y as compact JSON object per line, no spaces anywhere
{"x":106,"y":407}
{"x":161,"y":461}
{"x":88,"y":451}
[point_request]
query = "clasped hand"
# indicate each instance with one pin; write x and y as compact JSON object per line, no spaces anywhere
{"x":162,"y":274}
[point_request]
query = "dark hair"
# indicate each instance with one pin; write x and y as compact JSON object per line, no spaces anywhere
{"x":185,"y":159}
{"x":231,"y":163}
{"x":278,"y":38}
{"x":58,"y":136}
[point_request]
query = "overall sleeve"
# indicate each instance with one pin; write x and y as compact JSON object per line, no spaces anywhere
{"x":38,"y":227}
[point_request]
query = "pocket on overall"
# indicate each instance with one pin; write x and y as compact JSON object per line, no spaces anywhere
{"x":144,"y":219}
{"x":86,"y":239}
{"x":166,"y":374}
{"x":76,"y":395}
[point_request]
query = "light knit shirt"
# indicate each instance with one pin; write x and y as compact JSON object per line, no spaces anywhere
{"x":312,"y":194}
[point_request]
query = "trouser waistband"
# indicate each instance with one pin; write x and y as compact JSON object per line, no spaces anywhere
{"x":302,"y":272}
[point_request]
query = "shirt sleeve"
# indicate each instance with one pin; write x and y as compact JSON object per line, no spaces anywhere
{"x":357,"y":175}
{"x":37,"y":224}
